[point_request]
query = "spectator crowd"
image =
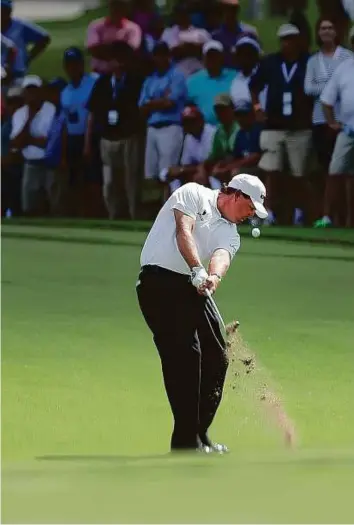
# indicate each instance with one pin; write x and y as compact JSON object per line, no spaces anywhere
{"x":191,"y":99}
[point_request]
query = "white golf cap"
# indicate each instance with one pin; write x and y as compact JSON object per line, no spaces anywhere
{"x":254,"y":188}
{"x":213,"y":45}
{"x":247,"y":40}
{"x":287,"y":30}
{"x":32,"y":80}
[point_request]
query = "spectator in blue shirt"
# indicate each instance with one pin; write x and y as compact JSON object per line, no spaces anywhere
{"x":211,"y":81}
{"x":74,"y":99}
{"x":23,"y":34}
{"x":162,"y":100}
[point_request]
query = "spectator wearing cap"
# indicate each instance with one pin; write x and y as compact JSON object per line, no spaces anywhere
{"x":224,"y":141}
{"x":341,"y":170}
{"x":113,"y":109}
{"x":231,"y":28}
{"x":246,"y":54}
{"x":185,"y":41}
{"x":74,"y":99}
{"x":299,"y":19}
{"x":288,"y":119}
{"x":11,"y":162}
{"x":211,"y":81}
{"x":320,"y":68}
{"x":30,"y":39}
{"x":247,"y":148}
{"x":31,"y":125}
{"x":197,"y":146}
{"x":116,"y":27}
{"x":162,"y":100}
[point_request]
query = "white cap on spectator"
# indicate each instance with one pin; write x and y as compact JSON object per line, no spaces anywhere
{"x":247,"y":40}
{"x":214,"y":45}
{"x":32,"y":80}
{"x":287,"y":30}
{"x":254,"y":188}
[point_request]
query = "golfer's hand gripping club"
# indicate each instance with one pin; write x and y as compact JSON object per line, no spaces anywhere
{"x":198,"y":276}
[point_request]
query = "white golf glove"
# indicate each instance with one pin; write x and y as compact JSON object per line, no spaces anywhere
{"x":198,"y":276}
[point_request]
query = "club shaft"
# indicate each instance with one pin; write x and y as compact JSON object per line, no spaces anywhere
{"x":221,"y":321}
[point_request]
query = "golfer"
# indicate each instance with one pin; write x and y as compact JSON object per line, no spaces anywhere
{"x":189,"y":250}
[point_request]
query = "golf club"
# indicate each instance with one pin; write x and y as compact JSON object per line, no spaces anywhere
{"x":221,"y":321}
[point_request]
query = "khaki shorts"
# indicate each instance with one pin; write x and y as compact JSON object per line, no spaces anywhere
{"x":276,"y":144}
{"x":342,"y":162}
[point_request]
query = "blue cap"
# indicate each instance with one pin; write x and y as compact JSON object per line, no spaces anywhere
{"x":6,"y":3}
{"x":57,"y":82}
{"x":243,"y":106}
{"x":74,"y":54}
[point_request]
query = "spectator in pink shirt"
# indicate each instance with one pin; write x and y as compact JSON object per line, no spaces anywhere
{"x":102,"y":33}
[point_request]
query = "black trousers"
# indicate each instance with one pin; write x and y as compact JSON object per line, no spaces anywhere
{"x":191,"y":348}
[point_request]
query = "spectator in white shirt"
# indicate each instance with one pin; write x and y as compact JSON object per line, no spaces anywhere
{"x":341,"y":170}
{"x":197,"y":146}
{"x":246,"y":58}
{"x":320,"y":67}
{"x":31,"y":125}
{"x":185,"y":41}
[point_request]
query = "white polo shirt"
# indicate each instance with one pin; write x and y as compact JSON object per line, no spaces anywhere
{"x":211,"y":230}
{"x":40,"y":127}
{"x":196,"y":150}
{"x":341,"y":88}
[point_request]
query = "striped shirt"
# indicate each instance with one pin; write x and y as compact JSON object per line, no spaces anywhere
{"x":320,"y":68}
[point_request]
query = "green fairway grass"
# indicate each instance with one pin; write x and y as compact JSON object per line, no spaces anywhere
{"x":85,"y":421}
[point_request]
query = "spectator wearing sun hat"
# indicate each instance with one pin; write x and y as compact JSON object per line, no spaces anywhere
{"x":231,"y":28}
{"x":23,"y":34}
{"x":212,"y":80}
{"x":197,"y":146}
{"x":288,"y":119}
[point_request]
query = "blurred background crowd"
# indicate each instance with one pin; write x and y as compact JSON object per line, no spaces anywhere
{"x":156,"y":99}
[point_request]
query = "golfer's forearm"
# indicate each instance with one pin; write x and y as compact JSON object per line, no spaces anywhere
{"x":329,"y":113}
{"x":219,"y":263}
{"x":187,"y":247}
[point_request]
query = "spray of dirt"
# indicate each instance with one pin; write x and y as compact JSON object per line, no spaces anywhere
{"x":244,"y":366}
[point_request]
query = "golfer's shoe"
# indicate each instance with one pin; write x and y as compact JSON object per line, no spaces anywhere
{"x":219,"y":449}
{"x":205,"y":449}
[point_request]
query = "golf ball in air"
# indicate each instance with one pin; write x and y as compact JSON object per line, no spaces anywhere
{"x":256,"y":232}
